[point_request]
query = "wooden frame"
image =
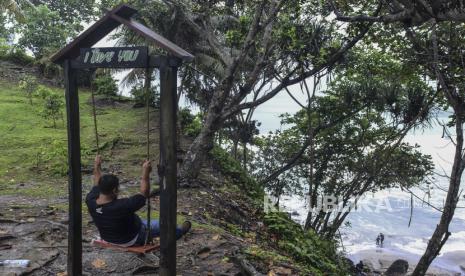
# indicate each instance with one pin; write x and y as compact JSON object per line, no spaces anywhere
{"x":71,"y":60}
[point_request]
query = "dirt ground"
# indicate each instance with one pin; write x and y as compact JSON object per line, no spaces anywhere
{"x":36,"y":230}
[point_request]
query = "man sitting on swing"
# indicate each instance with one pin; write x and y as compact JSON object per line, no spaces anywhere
{"x":115,"y":217}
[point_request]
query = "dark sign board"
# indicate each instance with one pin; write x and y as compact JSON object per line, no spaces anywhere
{"x":114,"y":57}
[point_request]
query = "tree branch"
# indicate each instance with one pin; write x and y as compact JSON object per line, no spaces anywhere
{"x":287,"y":81}
{"x":293,"y":161}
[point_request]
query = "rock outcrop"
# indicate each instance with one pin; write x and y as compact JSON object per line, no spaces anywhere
{"x":397,"y":268}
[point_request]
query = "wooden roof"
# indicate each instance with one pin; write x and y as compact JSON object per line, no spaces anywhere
{"x":120,"y":15}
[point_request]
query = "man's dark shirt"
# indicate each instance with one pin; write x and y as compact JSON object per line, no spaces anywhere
{"x":116,"y":221}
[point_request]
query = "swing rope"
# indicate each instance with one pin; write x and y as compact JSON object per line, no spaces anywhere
{"x":94,"y":113}
{"x":148,"y":73}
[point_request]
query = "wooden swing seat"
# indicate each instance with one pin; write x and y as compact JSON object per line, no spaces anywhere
{"x":143,"y":249}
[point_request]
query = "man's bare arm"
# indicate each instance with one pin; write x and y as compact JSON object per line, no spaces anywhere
{"x":97,"y":169}
{"x":145,"y":181}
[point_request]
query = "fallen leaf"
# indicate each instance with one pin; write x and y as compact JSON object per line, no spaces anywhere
{"x":99,"y":263}
{"x":282,"y":270}
{"x":216,"y":237}
{"x":271,"y":273}
{"x":62,"y":273}
{"x":204,"y":252}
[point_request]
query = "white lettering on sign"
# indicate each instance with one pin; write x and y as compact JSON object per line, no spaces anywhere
{"x":128,"y":55}
{"x":86,"y":57}
{"x":99,"y":57}
{"x":95,"y":56}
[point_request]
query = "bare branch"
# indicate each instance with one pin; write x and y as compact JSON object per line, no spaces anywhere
{"x":288,"y":81}
{"x":419,"y":198}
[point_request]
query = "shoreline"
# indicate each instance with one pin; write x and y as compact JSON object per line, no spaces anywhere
{"x":381,"y":258}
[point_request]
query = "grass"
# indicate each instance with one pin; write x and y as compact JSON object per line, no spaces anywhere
{"x":35,"y":153}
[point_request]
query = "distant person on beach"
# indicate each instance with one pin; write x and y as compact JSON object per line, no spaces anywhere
{"x":359,"y":268}
{"x":381,"y":237}
{"x":378,"y":238}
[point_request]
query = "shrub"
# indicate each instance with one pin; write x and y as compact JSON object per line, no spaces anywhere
{"x":29,"y":86}
{"x":106,"y":85}
{"x":190,"y":124}
{"x":232,"y":168}
{"x":14,"y":54}
{"x":138,"y":93}
{"x":4,"y":48}
{"x":306,"y":247}
{"x":52,"y":105}
{"x":53,"y":157}
{"x":52,"y":108}
{"x":43,"y":92}
{"x":51,"y":70}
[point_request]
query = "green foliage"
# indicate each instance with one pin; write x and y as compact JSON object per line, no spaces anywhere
{"x":305,"y":247}
{"x":106,"y":85}
{"x":190,"y":124}
{"x":3,"y":28}
{"x":138,"y":93}
{"x":14,"y":54}
{"x":73,"y":12}
{"x":397,"y":89}
{"x":12,"y":9}
{"x":19,"y":56}
{"x":43,"y":31}
{"x":29,"y":86}
{"x":240,"y":131}
{"x":349,"y":139}
{"x":53,"y":157}
{"x":52,"y":105}
{"x":273,"y":152}
{"x":232,"y":168}
{"x":4,"y":48}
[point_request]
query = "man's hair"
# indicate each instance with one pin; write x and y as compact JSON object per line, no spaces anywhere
{"x":108,"y":183}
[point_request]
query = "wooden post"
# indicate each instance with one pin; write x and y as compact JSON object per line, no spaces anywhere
{"x":74,"y":173}
{"x":168,"y":169}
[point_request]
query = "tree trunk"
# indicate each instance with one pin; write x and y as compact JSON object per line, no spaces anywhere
{"x":235,"y":145}
{"x":198,"y":150}
{"x":244,"y":155}
{"x":202,"y":144}
{"x":441,"y":234}
{"x":310,"y":180}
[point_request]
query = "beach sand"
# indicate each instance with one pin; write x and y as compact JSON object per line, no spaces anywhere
{"x":382,"y":258}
